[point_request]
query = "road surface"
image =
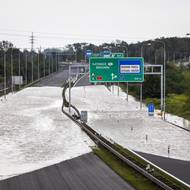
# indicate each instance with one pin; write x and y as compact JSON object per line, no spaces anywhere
{"x":86,"y":172}
{"x":55,"y":79}
{"x":178,"y":168}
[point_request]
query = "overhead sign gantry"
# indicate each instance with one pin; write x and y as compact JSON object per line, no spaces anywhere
{"x":130,"y":69}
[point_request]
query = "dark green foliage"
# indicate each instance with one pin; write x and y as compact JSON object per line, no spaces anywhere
{"x":177,"y":74}
{"x":12,"y":54}
{"x":175,"y":81}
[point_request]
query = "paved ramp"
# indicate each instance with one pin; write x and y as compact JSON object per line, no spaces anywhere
{"x":85,"y":172}
{"x":178,"y":168}
{"x":55,"y":79}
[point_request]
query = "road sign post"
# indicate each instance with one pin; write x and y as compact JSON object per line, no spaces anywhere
{"x":151,"y":109}
{"x":75,"y":69}
{"x":129,"y":69}
{"x":88,"y":54}
{"x":157,"y":70}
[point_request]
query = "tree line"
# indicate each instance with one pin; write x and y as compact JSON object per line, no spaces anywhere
{"x":46,"y":61}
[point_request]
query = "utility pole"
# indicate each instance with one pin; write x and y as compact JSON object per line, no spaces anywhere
{"x":49,"y":64}
{"x":5,"y":74}
{"x":12,"y":70}
{"x":32,"y":48}
{"x":32,"y":41}
{"x":19,"y":68}
{"x":44,"y":64}
{"x":26,"y":69}
{"x":39,"y":53}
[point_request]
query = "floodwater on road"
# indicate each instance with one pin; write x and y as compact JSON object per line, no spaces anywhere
{"x":34,"y":133}
{"x":124,"y":122}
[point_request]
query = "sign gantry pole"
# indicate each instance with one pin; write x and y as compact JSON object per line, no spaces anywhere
{"x":127,"y":91}
{"x":117,"y":69}
{"x":141,"y":96}
{"x":69,"y":89}
{"x":5,"y":74}
{"x":158,"y":71}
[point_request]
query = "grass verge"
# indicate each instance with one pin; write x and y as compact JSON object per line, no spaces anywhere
{"x":157,"y":173}
{"x":134,"y":178}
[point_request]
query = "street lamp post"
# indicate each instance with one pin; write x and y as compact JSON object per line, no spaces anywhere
{"x":19,"y":67}
{"x":44,"y":60}
{"x":12,"y":70}
{"x":26,"y":51}
{"x":52,"y":63}
{"x":141,"y":87}
{"x":56,"y":61}
{"x":127,"y":54}
{"x":75,"y":54}
{"x":39,"y":63}
{"x":5,"y":73}
{"x":127,"y":51}
{"x":49,"y":64}
{"x":164,"y":72}
{"x":149,"y":44}
{"x":163,"y":104}
{"x":188,"y":34}
{"x":26,"y":68}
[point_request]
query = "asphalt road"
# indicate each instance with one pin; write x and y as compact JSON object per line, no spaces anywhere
{"x":178,"y":168}
{"x":58,"y":79}
{"x":55,"y":79}
{"x":86,"y":172}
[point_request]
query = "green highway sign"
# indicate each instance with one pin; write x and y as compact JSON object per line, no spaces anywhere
{"x":130,"y":69}
{"x":95,"y":55}
{"x":117,"y":54}
{"x":109,"y":55}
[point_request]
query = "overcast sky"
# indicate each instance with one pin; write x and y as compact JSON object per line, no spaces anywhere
{"x":58,"y":22}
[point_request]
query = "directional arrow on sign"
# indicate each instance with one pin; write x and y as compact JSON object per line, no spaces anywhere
{"x":113,"y":76}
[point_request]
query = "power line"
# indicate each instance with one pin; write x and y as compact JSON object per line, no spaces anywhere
{"x":8,"y":34}
{"x":71,"y":36}
{"x":32,"y":41}
{"x":60,"y":37}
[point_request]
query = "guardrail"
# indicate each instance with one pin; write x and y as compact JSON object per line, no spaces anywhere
{"x":31,"y":83}
{"x":110,"y":146}
{"x":186,"y":129}
{"x":2,"y":90}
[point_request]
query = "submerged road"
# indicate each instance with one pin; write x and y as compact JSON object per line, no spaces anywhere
{"x":86,"y":172}
{"x":178,"y":168}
